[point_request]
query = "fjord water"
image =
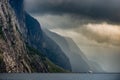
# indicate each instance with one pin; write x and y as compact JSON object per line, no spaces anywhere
{"x":60,"y":76}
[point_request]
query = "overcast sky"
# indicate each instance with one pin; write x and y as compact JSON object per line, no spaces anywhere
{"x":72,"y":14}
{"x":97,"y":9}
{"x":94,"y":25}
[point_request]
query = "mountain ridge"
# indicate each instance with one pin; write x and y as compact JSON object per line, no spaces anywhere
{"x":15,"y":55}
{"x":35,"y":37}
{"x":78,"y":60}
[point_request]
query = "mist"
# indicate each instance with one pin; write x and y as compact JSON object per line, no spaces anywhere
{"x":94,"y":25}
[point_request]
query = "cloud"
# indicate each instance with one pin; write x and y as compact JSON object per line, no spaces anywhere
{"x":99,"y":42}
{"x":86,"y":22}
{"x":101,"y":33}
{"x":65,"y":21}
{"x":104,"y":34}
{"x":108,"y":10}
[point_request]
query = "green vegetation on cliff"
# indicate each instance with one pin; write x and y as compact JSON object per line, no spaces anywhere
{"x":36,"y":56}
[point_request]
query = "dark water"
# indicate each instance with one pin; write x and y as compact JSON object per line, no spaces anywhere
{"x":70,"y":76}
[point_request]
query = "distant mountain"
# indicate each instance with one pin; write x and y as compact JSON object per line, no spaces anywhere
{"x":78,"y":60}
{"x":40,"y":41}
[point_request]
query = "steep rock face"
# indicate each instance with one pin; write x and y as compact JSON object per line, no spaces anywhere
{"x":39,"y":40}
{"x":12,"y":46}
{"x":18,"y":7}
{"x":15,"y":55}
{"x":32,"y":33}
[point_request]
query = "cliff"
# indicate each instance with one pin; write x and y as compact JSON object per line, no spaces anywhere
{"x":40,"y":41}
{"x":12,"y":47}
{"x":77,"y":58}
{"x":16,"y":55}
{"x":36,"y":38}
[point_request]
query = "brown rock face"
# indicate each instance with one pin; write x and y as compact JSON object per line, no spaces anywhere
{"x":15,"y":55}
{"x":12,"y":46}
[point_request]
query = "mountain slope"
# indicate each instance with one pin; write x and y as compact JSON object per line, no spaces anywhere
{"x":40,"y":41}
{"x":15,"y":54}
{"x":36,"y":59}
{"x":12,"y":46}
{"x":36,"y":38}
{"x":33,"y":35}
{"x":78,"y":60}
